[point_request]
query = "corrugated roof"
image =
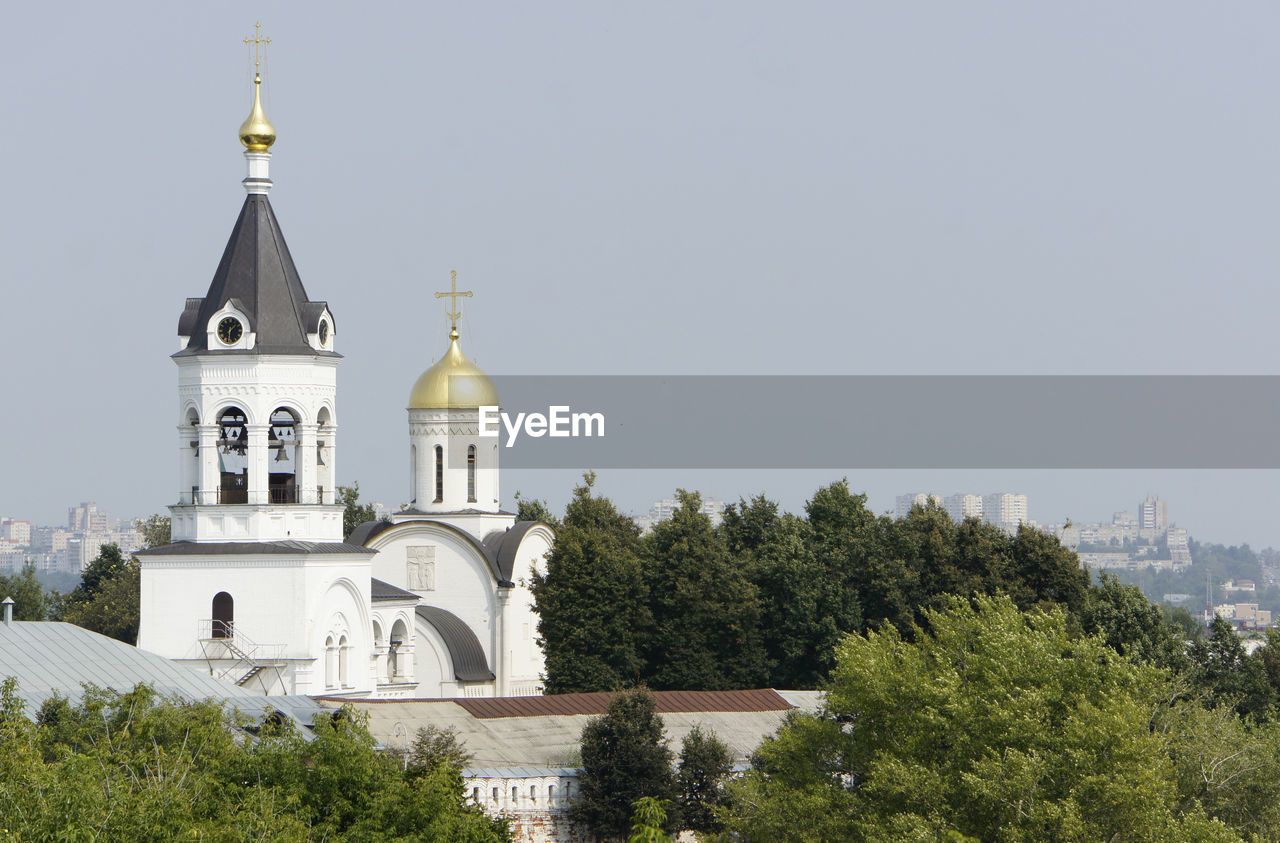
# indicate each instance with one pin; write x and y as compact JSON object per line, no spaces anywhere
{"x":667,"y":702}
{"x":60,"y":658}
{"x":550,"y":740}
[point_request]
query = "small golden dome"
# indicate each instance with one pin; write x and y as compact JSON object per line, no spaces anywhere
{"x":453,"y":382}
{"x":256,"y":132}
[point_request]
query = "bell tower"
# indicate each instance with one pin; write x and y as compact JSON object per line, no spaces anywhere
{"x":257,"y":377}
{"x":257,"y":585}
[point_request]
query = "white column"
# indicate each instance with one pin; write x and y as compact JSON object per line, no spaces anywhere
{"x":257,"y":434}
{"x":327,"y":477}
{"x":501,"y":660}
{"x":210,"y":478}
{"x":306,"y":454}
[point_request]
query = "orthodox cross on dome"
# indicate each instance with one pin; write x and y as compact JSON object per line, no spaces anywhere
{"x":257,"y":41}
{"x":454,"y":294}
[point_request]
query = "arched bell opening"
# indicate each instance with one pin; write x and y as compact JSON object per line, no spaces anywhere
{"x":282,"y":457}
{"x":233,"y":456}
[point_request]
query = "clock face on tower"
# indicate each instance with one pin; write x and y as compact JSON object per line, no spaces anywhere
{"x":229,"y":330}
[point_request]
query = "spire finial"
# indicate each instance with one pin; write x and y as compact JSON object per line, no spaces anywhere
{"x":453,"y":294}
{"x":257,"y":41}
{"x":256,"y":132}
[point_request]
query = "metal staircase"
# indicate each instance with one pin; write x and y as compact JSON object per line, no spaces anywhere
{"x":233,"y":657}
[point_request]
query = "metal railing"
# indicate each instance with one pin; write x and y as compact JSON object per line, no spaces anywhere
{"x":233,"y":497}
{"x":222,"y":643}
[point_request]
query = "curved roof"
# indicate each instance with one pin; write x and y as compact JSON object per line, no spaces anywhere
{"x":469,"y":663}
{"x":498,"y":548}
{"x":504,"y":545}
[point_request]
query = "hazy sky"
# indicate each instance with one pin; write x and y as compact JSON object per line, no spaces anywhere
{"x":645,"y":188}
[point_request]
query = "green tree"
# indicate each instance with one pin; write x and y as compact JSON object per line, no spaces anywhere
{"x":1220,"y":667}
{"x":647,"y":820}
{"x":533,"y":509}
{"x":1047,"y":573}
{"x":156,"y":530}
{"x":1132,"y":625}
{"x":624,"y":757}
{"x":30,"y":601}
{"x":435,"y":747}
{"x":134,"y":766}
{"x":108,"y":598}
{"x":354,"y":513}
{"x":993,"y":724}
{"x":806,"y":605}
{"x":705,"y":764}
{"x":706,"y":612}
{"x":852,"y":542}
{"x":592,"y":600}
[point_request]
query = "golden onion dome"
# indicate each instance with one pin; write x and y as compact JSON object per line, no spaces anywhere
{"x":256,"y":132}
{"x":453,"y":382}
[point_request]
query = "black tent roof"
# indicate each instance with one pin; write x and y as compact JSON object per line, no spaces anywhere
{"x":258,"y":276}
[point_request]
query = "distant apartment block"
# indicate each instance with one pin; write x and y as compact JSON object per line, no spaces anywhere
{"x":15,"y":532}
{"x":1006,"y":510}
{"x":662,"y":510}
{"x":961,"y":506}
{"x":905,"y":502}
{"x":1153,"y":516}
{"x":1241,"y":615}
{"x":87,"y":518}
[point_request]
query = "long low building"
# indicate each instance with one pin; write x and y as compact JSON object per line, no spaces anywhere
{"x":525,"y":750}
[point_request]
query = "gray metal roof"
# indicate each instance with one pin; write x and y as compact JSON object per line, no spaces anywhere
{"x":61,"y":658}
{"x":469,"y":663}
{"x":520,"y":772}
{"x":369,"y":530}
{"x":285,"y":548}
{"x":504,"y":545}
{"x":379,"y":590}
{"x":257,"y":271}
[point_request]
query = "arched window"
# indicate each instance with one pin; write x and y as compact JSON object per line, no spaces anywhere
{"x":330,"y":662}
{"x":223,"y":615}
{"x":343,"y":648}
{"x":395,"y":662}
{"x":515,"y":796}
{"x":439,"y":474}
{"x":551,"y":794}
{"x":533,"y":794}
{"x":471,"y":474}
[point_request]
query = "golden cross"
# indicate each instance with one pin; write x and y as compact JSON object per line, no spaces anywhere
{"x":455,"y":295}
{"x":257,"y":41}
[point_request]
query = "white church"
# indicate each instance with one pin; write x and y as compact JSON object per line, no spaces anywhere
{"x":258,"y":585}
